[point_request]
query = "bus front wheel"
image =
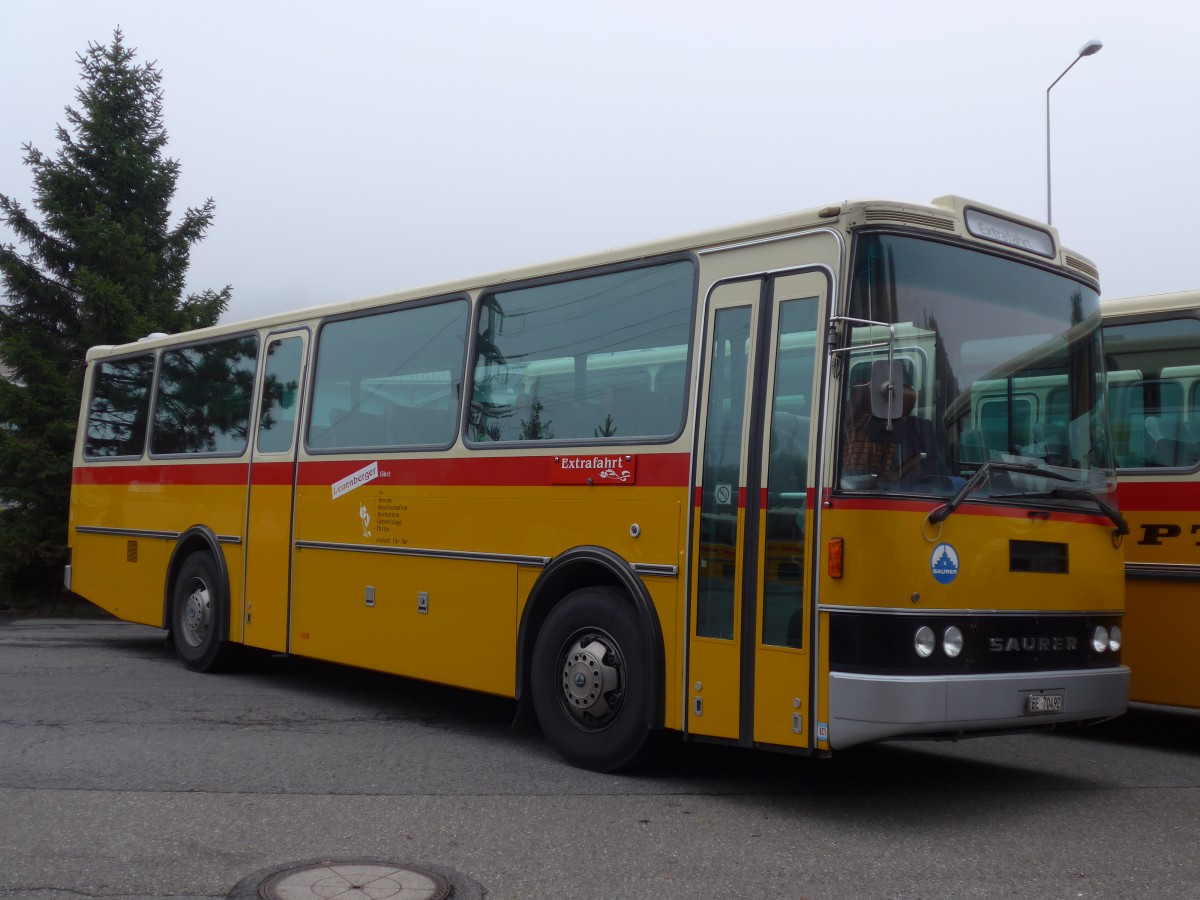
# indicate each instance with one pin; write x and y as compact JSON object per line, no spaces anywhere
{"x":197,"y":613}
{"x":590,"y":680}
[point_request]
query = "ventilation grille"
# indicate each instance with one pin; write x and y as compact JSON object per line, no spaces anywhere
{"x":1037,"y":556}
{"x":911,"y":218}
{"x":131,"y":551}
{"x":1083,"y":266}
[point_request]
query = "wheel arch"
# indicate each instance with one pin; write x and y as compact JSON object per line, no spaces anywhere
{"x":589,"y":566}
{"x":197,"y":539}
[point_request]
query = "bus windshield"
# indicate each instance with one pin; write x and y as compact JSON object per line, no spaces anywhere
{"x":1001,"y":364}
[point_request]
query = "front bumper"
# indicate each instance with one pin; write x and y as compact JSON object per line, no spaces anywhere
{"x":874,"y":707}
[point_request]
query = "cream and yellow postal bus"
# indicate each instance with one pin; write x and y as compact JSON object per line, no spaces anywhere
{"x":1152,"y":346}
{"x":742,"y":485}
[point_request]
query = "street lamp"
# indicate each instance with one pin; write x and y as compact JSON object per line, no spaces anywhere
{"x":1089,"y":49}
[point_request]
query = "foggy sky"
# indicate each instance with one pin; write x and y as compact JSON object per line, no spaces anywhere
{"x":362,"y":147}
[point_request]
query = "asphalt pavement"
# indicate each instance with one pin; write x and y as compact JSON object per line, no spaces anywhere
{"x":122,"y":774}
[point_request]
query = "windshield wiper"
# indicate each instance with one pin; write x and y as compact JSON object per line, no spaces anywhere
{"x":943,"y":513}
{"x":1117,"y":518}
{"x":1081,"y":494}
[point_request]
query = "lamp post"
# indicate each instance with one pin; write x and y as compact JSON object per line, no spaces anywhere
{"x":1089,"y":49}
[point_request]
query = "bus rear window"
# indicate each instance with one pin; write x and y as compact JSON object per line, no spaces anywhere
{"x":120,"y":408}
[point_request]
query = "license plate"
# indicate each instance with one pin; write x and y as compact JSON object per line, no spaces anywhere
{"x":1044,"y":703}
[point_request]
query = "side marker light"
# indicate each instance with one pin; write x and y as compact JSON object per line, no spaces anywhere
{"x":837,"y":556}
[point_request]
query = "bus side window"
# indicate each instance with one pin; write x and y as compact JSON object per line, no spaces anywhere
{"x":385,"y":380}
{"x":635,"y":408}
{"x":1152,"y":381}
{"x":670,"y":384}
{"x":281,"y":385}
{"x":204,"y":397}
{"x":587,"y":347}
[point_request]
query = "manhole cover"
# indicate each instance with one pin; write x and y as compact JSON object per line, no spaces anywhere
{"x":355,"y":881}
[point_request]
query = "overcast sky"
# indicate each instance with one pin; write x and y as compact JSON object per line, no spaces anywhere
{"x":357,"y":147}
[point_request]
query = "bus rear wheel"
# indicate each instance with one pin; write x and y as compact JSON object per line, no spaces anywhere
{"x":590,"y":681}
{"x":198,"y":614}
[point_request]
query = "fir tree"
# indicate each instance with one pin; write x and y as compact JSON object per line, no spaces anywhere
{"x":104,"y":265}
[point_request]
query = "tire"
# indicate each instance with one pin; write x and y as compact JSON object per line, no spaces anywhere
{"x":590,"y":681}
{"x":199,"y":613}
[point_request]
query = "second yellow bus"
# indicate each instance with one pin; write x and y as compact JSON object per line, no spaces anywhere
{"x":1152,"y":345}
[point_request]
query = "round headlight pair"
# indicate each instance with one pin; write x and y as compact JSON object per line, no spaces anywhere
{"x":1106,"y":638}
{"x":925,"y":641}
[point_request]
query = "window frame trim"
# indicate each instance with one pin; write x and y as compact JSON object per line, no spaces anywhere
{"x":1143,"y":318}
{"x":564,"y":277}
{"x":185,"y":345}
{"x":151,"y":395}
{"x":368,"y":312}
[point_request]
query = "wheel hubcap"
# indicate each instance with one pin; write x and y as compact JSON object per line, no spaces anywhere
{"x":588,"y":681}
{"x":197,"y":614}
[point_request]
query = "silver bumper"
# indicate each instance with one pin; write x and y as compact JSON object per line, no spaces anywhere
{"x":872,"y":707}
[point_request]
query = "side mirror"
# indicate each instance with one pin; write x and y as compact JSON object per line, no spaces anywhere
{"x":887,"y":389}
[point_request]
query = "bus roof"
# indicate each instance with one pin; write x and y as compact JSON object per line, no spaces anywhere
{"x":942,"y":214}
{"x":1132,"y":306}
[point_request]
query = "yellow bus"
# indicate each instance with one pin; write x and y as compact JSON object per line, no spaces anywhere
{"x":731,"y":485}
{"x":1152,"y":348}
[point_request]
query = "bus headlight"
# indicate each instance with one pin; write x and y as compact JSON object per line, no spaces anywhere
{"x":1100,"y":639}
{"x":952,"y":641}
{"x":924,"y":641}
{"x":1114,"y":638}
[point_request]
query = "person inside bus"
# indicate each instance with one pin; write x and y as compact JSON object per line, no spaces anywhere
{"x":920,"y":454}
{"x":907,"y":455}
{"x":865,"y":452}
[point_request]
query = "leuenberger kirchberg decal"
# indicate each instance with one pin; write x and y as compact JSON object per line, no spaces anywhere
{"x":357,"y":479}
{"x":617,"y":468}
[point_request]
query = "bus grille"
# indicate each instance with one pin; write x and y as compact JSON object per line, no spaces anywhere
{"x":911,"y":218}
{"x":1083,"y":266}
{"x":1038,"y":556}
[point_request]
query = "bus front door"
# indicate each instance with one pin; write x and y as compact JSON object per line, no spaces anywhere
{"x":272,"y":494}
{"x":750,"y":632}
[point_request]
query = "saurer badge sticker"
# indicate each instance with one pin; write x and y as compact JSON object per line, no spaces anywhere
{"x":943,"y":563}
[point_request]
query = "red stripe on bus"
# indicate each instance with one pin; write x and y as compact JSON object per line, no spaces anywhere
{"x":967,"y":509}
{"x":653,"y":470}
{"x":278,"y":473}
{"x":210,"y":473}
{"x":1158,"y":495}
{"x":698,"y":497}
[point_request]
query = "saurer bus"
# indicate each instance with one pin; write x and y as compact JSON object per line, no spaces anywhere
{"x":770,"y":484}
